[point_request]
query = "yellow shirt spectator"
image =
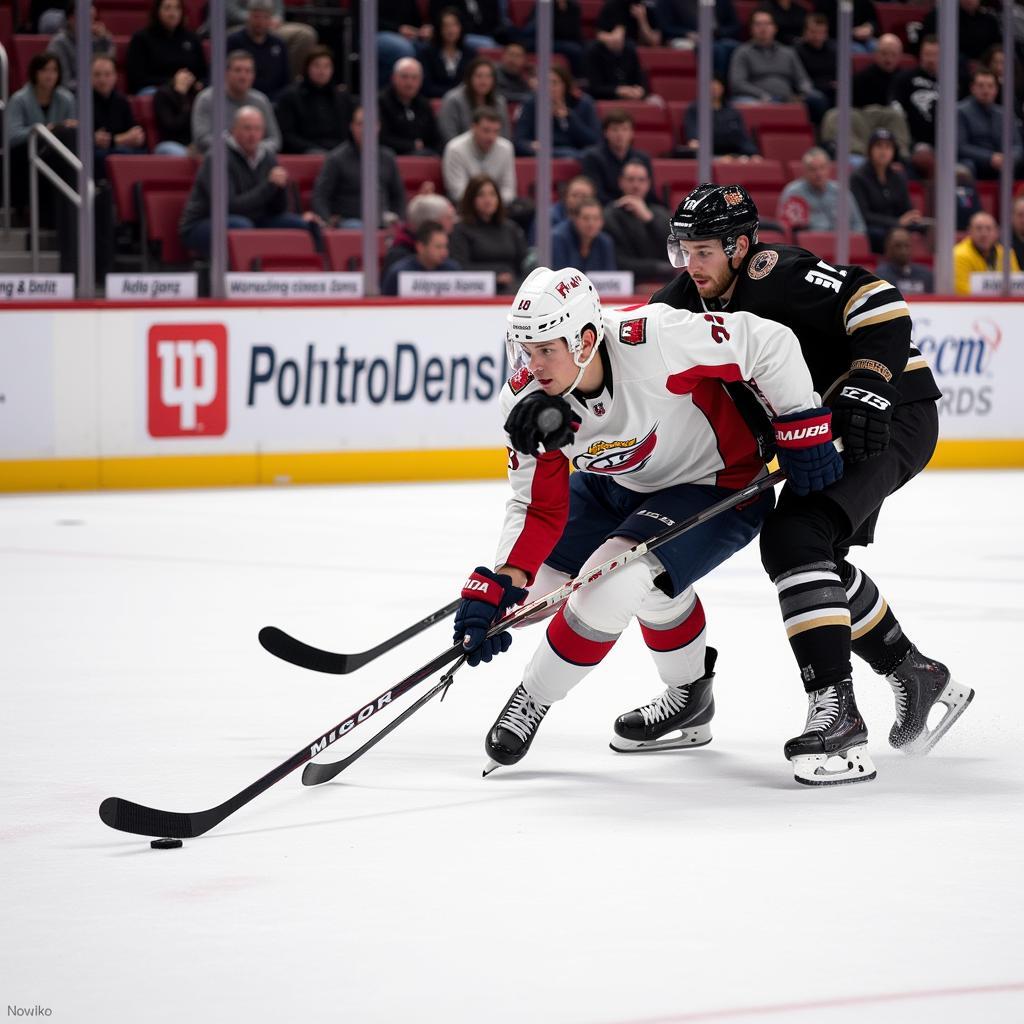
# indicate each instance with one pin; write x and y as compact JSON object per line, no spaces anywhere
{"x":969,"y":255}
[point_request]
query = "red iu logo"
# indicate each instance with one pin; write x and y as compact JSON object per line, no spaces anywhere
{"x":188,"y":380}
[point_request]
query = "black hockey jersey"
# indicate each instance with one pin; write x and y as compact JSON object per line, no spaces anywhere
{"x":845,"y":317}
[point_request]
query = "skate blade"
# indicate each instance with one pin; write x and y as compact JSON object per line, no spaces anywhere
{"x":489,"y":767}
{"x":956,"y":698}
{"x":853,"y":765}
{"x":697,"y":737}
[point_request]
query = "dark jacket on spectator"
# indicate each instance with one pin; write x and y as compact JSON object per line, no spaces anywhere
{"x":820,"y":65}
{"x":678,"y":18}
{"x":603,"y":168}
{"x":154,"y":55}
{"x":569,"y":136}
{"x":730,"y":132}
{"x":438,"y":78}
{"x":313,"y":118}
{"x":980,"y":134}
{"x":514,"y":89}
{"x":565,"y":250}
{"x":401,"y":125}
{"x":568,"y":24}
{"x":881,"y":204}
{"x":392,"y":14}
{"x":339,"y":185}
{"x":863,"y":10}
{"x":250,"y":194}
{"x":112,"y":113}
{"x":497,"y":247}
{"x":790,"y":22}
{"x":978,"y":31}
{"x":172,"y":112}
{"x":917,"y":93}
{"x":271,"y":57}
{"x":617,"y":12}
{"x":389,"y":282}
{"x":873,"y":85}
{"x":606,"y":71}
{"x":484,"y":19}
{"x":640,"y":247}
{"x":911,"y":280}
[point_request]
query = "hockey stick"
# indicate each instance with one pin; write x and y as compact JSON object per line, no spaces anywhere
{"x":286,"y":647}
{"x":127,"y":816}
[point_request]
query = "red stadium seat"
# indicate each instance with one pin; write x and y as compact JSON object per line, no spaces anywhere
{"x":823,"y":244}
{"x":301,"y":263}
{"x":673,"y":179}
{"x":653,"y":143}
{"x":763,"y":174}
{"x":766,"y":200}
{"x":246,"y":247}
{"x":124,"y":172}
{"x":774,"y":117}
{"x":789,"y":146}
{"x":988,"y":193}
{"x":160,"y":213}
{"x":519,"y":11}
{"x":123,"y":22}
{"x":664,"y":60}
{"x":769,"y":236}
{"x":142,"y":111}
{"x":303,"y":170}
{"x":589,"y":10}
{"x":860,"y":61}
{"x":895,"y":17}
{"x":647,"y":117}
{"x":562,"y":169}
{"x":345,"y":248}
{"x":25,"y":48}
{"x":415,"y":170}
{"x":673,"y":87}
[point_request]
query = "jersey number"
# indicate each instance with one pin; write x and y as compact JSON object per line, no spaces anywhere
{"x":718,"y":331}
{"x":524,"y":304}
{"x":826,"y":277}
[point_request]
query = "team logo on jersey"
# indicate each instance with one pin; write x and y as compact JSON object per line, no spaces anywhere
{"x":617,"y":458}
{"x":633,"y":332}
{"x":599,"y":409}
{"x":761,"y":265}
{"x":519,"y":379}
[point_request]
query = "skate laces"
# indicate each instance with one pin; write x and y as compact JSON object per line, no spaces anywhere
{"x":523,"y":715}
{"x":899,"y":690}
{"x":671,"y":700}
{"x":823,"y":710}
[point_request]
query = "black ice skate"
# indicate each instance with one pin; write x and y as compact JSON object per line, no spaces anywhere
{"x":678,"y":717}
{"x":513,"y":732}
{"x":918,"y":684}
{"x":833,"y":746}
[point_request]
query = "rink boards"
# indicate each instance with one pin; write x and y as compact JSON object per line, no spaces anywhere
{"x":205,"y":394}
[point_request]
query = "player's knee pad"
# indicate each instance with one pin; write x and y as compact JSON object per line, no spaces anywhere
{"x":609,"y":605}
{"x":546,"y":580}
{"x":799,"y":532}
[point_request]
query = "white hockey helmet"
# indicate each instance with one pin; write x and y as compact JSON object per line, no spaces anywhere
{"x":552,"y":304}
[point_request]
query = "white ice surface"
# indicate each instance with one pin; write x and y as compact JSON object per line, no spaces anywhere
{"x":582,"y":886}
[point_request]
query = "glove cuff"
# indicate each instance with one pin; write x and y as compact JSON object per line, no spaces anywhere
{"x":803,"y":429}
{"x":483,"y":585}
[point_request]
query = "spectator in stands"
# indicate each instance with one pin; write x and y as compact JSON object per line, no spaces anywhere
{"x":478,"y":89}
{"x":314,"y":113}
{"x":399,"y":28}
{"x":238,"y":93}
{"x":765,"y":71}
{"x":407,"y":124}
{"x":916,"y":90}
{"x":979,"y":252}
{"x":114,"y":127}
{"x":45,"y":17}
{"x":866,"y":26}
{"x":811,"y":201}
{"x":881,"y":191}
{"x":485,"y":239}
{"x":268,"y":51}
{"x":41,"y":100}
{"x":257,"y":187}
{"x":639,"y":228}
{"x":64,"y":46}
{"x":979,"y":29}
{"x":994,"y":60}
{"x":481,"y":150}
{"x":788,"y":16}
{"x":581,"y":241}
{"x":172,"y":112}
{"x":568,"y":32}
{"x":731,"y":138}
{"x":980,"y":130}
{"x":484,"y":20}
{"x":576,"y":191}
{"x":678,"y":21}
{"x":873,"y":85}
{"x":1017,"y":229}
{"x":338,"y":192}
{"x":817,"y":53}
{"x":299,"y":37}
{"x":898,"y":269}
{"x":431,"y":255}
{"x":421,"y":208}
{"x":447,"y":56}
{"x":575,"y":125}
{"x":640,"y":20}
{"x":515,"y":82}
{"x":613,"y":68}
{"x":968,"y":202}
{"x":162,"y":48}
{"x":603,"y":163}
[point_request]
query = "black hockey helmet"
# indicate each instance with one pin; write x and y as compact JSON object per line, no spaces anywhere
{"x":713,"y":211}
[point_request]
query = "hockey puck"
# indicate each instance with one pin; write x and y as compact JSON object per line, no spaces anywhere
{"x":166,"y":844}
{"x":549,"y":420}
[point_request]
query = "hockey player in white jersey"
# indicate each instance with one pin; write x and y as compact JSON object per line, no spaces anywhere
{"x":635,"y":402}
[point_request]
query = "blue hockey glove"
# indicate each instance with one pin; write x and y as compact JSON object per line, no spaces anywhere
{"x":486,"y":597}
{"x":805,"y":450}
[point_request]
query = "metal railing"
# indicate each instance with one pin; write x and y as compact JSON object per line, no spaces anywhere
{"x":36,"y":165}
{"x":5,"y":140}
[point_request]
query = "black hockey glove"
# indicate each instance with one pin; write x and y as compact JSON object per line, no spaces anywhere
{"x":486,"y":597}
{"x":862,"y":415}
{"x":541,"y":422}
{"x":806,"y":451}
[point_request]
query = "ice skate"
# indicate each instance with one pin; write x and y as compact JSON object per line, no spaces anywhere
{"x":918,"y":683}
{"x":678,"y":717}
{"x":513,"y":732}
{"x":833,"y":746}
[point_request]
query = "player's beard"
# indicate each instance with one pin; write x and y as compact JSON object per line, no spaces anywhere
{"x":715,"y":286}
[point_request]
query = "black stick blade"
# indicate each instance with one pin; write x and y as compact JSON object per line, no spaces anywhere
{"x":126,"y":816}
{"x":295,"y":652}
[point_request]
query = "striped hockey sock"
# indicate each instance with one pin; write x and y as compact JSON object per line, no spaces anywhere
{"x":876,"y":633}
{"x":675,"y":635}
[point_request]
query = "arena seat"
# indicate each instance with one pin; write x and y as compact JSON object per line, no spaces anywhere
{"x":299,"y":263}
{"x":763,"y":174}
{"x":673,"y":179}
{"x":665,"y":60}
{"x":124,"y":172}
{"x":823,"y":244}
{"x":788,"y":146}
{"x":142,"y":111}
{"x":303,"y":170}
{"x":415,"y":170}
{"x":988,"y":193}
{"x":160,"y":213}
{"x":653,"y":143}
{"x":562,"y":169}
{"x":24,"y":49}
{"x":345,"y":248}
{"x":894,"y":17}
{"x":674,"y":87}
{"x":248,"y":246}
{"x":774,"y":117}
{"x":646,"y":116}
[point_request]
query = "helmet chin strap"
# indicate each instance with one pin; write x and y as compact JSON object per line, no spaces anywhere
{"x":583,"y":368}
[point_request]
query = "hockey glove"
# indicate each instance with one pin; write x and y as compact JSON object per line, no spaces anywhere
{"x":805,"y":450}
{"x":541,"y":422}
{"x":862,"y":415}
{"x":485,"y":599}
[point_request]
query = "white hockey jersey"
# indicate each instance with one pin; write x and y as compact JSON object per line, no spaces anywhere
{"x":663,"y":417}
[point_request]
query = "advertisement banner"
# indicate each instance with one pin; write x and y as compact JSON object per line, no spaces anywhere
{"x":26,"y":386}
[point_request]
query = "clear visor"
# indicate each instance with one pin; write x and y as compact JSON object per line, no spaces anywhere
{"x":676,"y":255}
{"x":516,"y":354}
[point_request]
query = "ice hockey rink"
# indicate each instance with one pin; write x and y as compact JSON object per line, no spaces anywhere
{"x":580,"y":886}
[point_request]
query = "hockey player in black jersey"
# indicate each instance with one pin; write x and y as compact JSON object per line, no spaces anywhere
{"x":855,"y":333}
